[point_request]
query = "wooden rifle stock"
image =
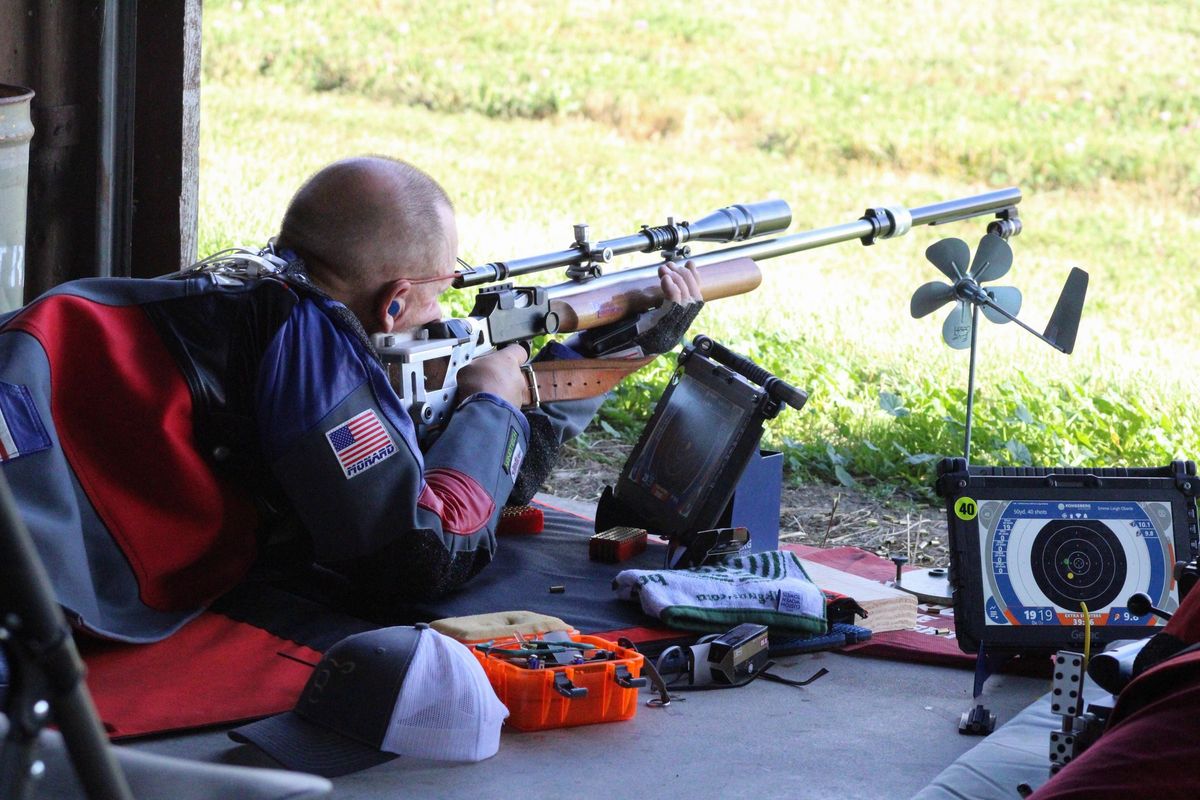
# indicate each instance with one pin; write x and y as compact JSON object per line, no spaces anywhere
{"x":620,"y":295}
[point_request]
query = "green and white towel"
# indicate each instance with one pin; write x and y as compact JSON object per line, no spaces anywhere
{"x":770,"y":589}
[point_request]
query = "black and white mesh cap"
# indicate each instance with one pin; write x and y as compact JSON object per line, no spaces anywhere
{"x":402,"y":691}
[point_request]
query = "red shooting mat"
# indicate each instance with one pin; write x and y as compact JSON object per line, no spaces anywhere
{"x":213,"y":670}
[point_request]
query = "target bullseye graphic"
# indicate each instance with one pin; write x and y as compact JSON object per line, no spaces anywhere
{"x":1078,"y":562}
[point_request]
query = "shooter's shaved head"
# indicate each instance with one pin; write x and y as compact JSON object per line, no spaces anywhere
{"x":361,"y":221}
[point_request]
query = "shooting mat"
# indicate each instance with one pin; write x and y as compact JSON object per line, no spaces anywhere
{"x":250,"y":655}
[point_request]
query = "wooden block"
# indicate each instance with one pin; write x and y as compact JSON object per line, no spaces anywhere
{"x":889,"y":609}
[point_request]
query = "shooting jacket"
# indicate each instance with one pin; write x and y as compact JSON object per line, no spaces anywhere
{"x":156,"y":432}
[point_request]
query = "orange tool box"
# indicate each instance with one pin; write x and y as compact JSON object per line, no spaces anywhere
{"x":554,"y":695}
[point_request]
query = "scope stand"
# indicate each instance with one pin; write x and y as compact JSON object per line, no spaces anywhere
{"x":979,"y":721}
{"x":46,"y":674}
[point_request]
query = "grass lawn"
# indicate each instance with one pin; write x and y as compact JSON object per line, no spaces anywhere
{"x":537,"y":115}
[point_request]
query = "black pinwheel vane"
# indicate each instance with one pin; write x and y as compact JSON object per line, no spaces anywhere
{"x":999,"y":304}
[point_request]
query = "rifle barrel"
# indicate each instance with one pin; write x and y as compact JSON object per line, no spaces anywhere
{"x":964,"y":207}
{"x":933,"y":214}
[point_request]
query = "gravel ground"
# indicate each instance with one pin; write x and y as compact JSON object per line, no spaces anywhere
{"x":817,"y":514}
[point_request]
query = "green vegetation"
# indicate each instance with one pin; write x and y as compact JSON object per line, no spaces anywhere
{"x":535,"y":115}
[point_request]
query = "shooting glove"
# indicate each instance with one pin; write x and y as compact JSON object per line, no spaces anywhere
{"x":654,"y":332}
{"x":666,"y":326}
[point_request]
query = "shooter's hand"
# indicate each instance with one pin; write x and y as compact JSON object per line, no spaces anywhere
{"x":682,"y":301}
{"x":679,"y":284}
{"x":497,"y":373}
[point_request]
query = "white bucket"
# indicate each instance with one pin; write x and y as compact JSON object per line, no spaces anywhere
{"x":16,"y":129}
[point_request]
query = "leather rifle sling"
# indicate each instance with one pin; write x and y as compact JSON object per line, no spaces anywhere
{"x":575,"y":379}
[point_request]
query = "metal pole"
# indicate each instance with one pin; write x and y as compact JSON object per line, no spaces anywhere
{"x":39,"y":631}
{"x":16,"y":130}
{"x":971,"y":383}
{"x":114,"y":204}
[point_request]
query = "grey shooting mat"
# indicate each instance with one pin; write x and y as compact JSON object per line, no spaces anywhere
{"x":519,"y":578}
{"x":527,"y":565}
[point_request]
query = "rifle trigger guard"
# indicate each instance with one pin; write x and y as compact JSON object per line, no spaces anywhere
{"x":535,"y":398}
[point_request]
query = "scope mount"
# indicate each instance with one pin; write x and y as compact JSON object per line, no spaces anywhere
{"x":887,"y":222}
{"x":590,"y":266}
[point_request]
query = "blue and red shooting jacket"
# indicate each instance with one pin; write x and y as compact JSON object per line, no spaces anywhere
{"x":150,"y":429}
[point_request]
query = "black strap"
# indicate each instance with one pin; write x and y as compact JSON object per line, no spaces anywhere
{"x":788,"y":681}
{"x":762,"y":673}
{"x":656,"y":680}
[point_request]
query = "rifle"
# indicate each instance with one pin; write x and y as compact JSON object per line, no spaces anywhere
{"x":504,"y":313}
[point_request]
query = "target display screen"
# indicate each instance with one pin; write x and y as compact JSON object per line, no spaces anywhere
{"x":683,"y":452}
{"x":1043,"y":561}
{"x":686,"y":465}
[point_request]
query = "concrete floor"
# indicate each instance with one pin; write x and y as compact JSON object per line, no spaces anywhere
{"x":868,"y":729}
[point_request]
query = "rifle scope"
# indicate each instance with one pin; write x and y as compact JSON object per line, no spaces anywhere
{"x":730,"y":224}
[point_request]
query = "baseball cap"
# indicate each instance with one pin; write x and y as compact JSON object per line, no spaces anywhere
{"x":394,"y":691}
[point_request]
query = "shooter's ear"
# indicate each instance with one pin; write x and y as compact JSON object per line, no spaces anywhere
{"x":390,"y":304}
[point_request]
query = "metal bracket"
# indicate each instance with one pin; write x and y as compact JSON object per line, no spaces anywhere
{"x":979,"y":721}
{"x":563,"y":685}
{"x":590,"y":268}
{"x":887,"y":222}
{"x":535,"y":397}
{"x":1006,"y":224}
{"x":625,"y":678}
{"x":584,"y":272}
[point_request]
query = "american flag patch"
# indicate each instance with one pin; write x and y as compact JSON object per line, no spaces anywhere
{"x":360,"y":443}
